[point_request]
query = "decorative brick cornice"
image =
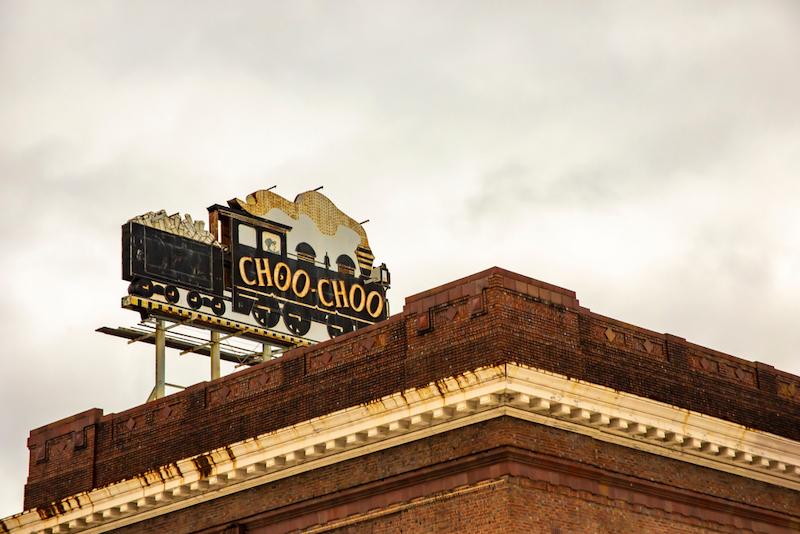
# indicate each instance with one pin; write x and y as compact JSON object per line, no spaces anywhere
{"x":490,"y":392}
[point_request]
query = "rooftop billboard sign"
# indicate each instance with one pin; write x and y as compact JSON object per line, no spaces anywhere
{"x":295,"y":272}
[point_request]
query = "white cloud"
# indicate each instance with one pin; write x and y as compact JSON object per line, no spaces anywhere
{"x":642,"y":155}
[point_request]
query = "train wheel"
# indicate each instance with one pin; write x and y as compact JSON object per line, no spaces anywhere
{"x":194,"y":300}
{"x":218,"y":306}
{"x":338,"y":325}
{"x":267,"y":312}
{"x":296,"y":318}
{"x":172,"y":294}
{"x":141,"y":287}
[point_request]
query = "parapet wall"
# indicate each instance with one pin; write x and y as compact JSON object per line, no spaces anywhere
{"x":489,"y":318}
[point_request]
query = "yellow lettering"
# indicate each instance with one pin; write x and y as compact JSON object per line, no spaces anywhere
{"x":288,"y":277}
{"x":339,"y":293}
{"x":362,"y":299}
{"x":379,"y":309}
{"x":242,"y":261}
{"x":321,"y":295}
{"x":306,"y":286}
{"x":263,"y":269}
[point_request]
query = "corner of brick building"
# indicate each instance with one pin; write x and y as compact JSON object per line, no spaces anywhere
{"x":491,"y":318}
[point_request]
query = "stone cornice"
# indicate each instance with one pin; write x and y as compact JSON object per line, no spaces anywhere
{"x":503,"y":390}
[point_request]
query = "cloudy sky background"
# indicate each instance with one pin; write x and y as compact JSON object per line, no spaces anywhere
{"x":644,"y":155}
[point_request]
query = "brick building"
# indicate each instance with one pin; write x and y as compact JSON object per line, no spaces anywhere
{"x":494,"y":403}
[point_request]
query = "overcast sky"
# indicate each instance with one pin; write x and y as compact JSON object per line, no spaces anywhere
{"x":642,"y":154}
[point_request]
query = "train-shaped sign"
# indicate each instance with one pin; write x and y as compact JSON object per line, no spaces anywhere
{"x":297,"y":271}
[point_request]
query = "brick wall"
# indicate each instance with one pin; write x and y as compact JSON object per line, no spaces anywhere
{"x":491,"y":317}
{"x":501,"y":475}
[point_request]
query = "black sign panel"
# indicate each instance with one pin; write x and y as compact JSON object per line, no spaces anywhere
{"x":273,"y":285}
{"x":153,"y":254}
{"x":248,"y":277}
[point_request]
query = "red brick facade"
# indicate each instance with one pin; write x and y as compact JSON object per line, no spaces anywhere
{"x":503,"y":475}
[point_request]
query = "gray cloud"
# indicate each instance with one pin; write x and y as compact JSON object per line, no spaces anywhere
{"x":640,"y":154}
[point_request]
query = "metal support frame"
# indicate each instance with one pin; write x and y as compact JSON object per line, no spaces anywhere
{"x":152,"y":395}
{"x":151,"y":334}
{"x":194,"y":349}
{"x":215,"y":372}
{"x":161,"y":359}
{"x":159,"y":338}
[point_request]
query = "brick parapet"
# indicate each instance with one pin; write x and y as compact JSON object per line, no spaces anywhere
{"x":62,"y":454}
{"x":554,"y":461}
{"x":485,"y":319}
{"x":75,"y":423}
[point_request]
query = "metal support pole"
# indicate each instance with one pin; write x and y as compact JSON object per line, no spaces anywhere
{"x":214,"y":355}
{"x":161,"y":359}
{"x":266,"y":352}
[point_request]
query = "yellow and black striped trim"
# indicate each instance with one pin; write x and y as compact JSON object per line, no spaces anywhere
{"x":131,"y":302}
{"x":365,"y":259}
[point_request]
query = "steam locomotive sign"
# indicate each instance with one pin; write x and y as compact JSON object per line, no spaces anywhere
{"x":294,"y":272}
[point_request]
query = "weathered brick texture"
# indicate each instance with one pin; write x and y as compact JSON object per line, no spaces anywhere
{"x":502,"y":475}
{"x":489,"y":318}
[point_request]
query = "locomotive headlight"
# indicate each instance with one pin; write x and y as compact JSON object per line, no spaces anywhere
{"x":381,"y":276}
{"x":385,"y":276}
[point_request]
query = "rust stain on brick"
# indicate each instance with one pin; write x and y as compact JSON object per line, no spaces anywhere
{"x":376,"y":407}
{"x":405,"y":399}
{"x":463,"y":382}
{"x":151,"y":475}
{"x":203,"y":465}
{"x":51,"y":510}
{"x":174,"y":465}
